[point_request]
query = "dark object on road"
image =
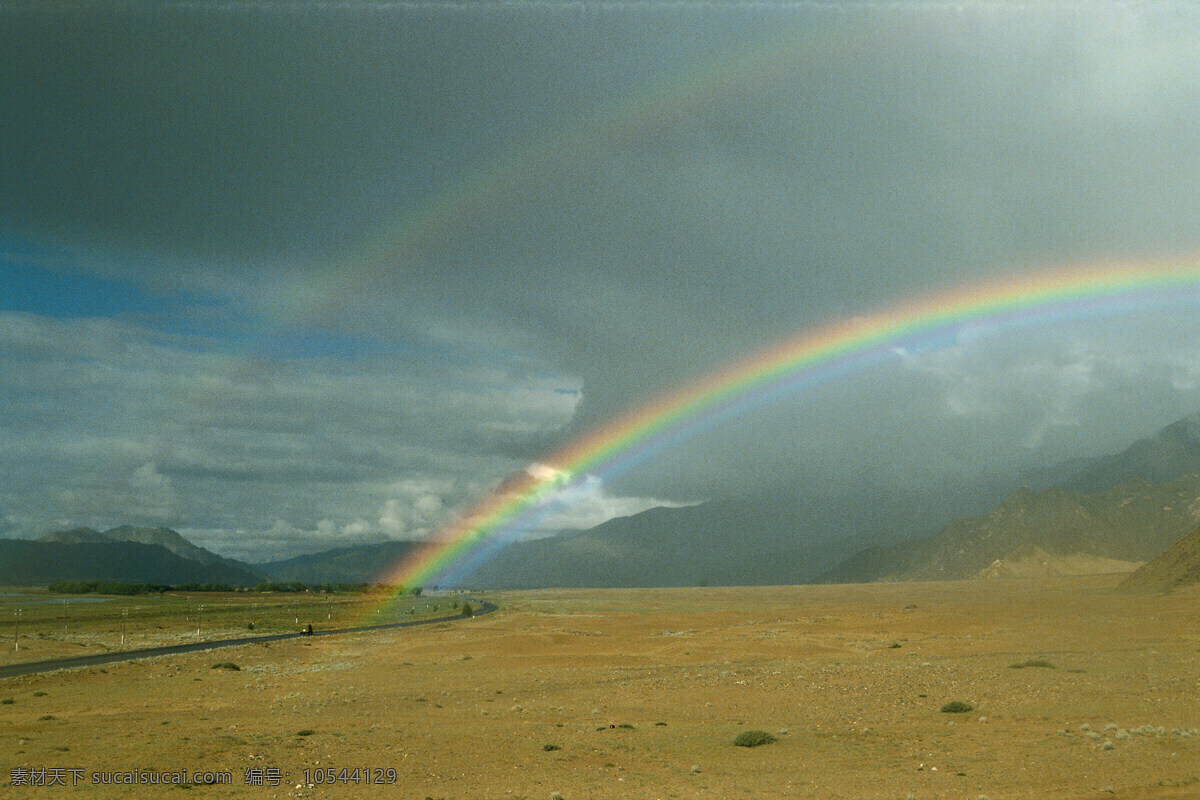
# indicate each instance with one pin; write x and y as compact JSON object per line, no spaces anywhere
{"x":307,"y":630}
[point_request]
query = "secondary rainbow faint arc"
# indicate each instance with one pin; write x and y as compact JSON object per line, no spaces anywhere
{"x":1008,"y":303}
{"x":401,"y":244}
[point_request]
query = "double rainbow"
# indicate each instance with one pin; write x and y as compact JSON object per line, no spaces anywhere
{"x":846,"y":345}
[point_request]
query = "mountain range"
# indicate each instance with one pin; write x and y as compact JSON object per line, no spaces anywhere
{"x":781,"y":536}
{"x":135,"y":555}
{"x":1107,"y":513}
{"x":1132,"y":522}
{"x":1164,"y":456}
{"x":160,"y":537}
{"x":1123,"y":508}
{"x":160,"y":555}
{"x":355,"y":564}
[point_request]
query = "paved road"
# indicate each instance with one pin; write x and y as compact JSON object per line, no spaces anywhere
{"x":34,"y":667}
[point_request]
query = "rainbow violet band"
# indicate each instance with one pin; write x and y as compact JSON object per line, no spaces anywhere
{"x":845,"y":345}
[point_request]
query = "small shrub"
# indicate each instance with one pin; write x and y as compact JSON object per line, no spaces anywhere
{"x":467,"y":609}
{"x":753,"y":738}
{"x":957,"y":707}
{"x":226,"y":665}
{"x":47,"y":718}
{"x":660,"y":724}
{"x":39,"y":694}
{"x":626,"y":725}
{"x":1033,"y":662}
{"x":549,"y":748}
{"x":8,"y":701}
{"x":305,"y":732}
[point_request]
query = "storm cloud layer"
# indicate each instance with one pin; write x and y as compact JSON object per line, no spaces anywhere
{"x":286,"y":276}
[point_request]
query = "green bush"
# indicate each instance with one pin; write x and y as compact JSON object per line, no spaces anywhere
{"x":467,"y":609}
{"x":957,"y":707}
{"x":753,"y":738}
{"x":305,"y":732}
{"x":226,"y":665}
{"x":550,"y":747}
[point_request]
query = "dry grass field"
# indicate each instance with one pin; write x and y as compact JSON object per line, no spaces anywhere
{"x":640,"y":694}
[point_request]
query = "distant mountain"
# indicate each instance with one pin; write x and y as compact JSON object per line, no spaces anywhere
{"x":33,"y":563}
{"x":787,"y":534}
{"x":783,"y":536}
{"x":357,"y":564}
{"x":1166,"y":455}
{"x":161,"y":537}
{"x":1130,"y":522}
{"x":1175,"y":567}
{"x":165,"y":537}
{"x":695,"y":546}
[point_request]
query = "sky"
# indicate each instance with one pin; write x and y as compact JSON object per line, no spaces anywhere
{"x":289,"y":276}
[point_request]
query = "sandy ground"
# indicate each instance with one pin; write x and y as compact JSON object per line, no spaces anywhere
{"x":643,"y":691}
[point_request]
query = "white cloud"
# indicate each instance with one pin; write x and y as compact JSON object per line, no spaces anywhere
{"x":153,"y":495}
{"x":577,"y":504}
{"x":356,"y":529}
{"x":1043,"y":380}
{"x":148,"y":478}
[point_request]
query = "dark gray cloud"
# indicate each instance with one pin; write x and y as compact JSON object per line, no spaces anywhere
{"x":492,"y":203}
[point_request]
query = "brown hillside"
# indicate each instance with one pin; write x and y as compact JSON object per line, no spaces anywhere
{"x":1031,"y":561}
{"x":1178,"y":565}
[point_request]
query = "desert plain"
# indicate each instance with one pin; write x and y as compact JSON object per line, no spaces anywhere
{"x":1076,"y":691}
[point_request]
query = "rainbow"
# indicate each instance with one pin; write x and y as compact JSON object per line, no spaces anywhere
{"x":842,"y":346}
